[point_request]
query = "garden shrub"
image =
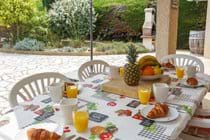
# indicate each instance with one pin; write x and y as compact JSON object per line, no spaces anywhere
{"x":120,"y":19}
{"x":192,"y":16}
{"x":117,"y":47}
{"x":28,"y":44}
{"x":70,"y":18}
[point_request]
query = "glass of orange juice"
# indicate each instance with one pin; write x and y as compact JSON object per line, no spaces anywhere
{"x":122,"y":71}
{"x":144,"y":95}
{"x":180,"y":72}
{"x":80,"y":121}
{"x":72,"y":91}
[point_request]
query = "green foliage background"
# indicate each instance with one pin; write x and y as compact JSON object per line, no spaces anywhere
{"x":28,"y":18}
{"x":192,"y":16}
{"x":119,"y":23}
{"x":25,"y":17}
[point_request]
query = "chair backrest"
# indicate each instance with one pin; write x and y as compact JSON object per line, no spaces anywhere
{"x":91,"y":68}
{"x":32,"y":86}
{"x":183,"y":60}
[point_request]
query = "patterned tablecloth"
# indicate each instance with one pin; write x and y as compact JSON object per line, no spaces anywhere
{"x":120,"y":113}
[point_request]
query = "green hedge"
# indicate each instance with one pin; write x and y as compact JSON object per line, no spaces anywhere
{"x":192,"y":16}
{"x":119,"y":19}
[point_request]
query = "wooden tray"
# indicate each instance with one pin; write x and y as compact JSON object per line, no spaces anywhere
{"x":118,"y":86}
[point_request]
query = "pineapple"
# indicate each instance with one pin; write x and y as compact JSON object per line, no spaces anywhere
{"x":132,"y":75}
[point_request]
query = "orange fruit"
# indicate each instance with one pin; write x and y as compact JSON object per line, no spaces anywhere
{"x":148,"y":70}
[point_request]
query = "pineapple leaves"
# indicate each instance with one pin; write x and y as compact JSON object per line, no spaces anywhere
{"x":132,"y":54}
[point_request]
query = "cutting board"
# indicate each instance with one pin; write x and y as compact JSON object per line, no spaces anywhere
{"x":118,"y":86}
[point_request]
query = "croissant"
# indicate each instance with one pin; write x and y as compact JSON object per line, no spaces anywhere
{"x":41,"y":134}
{"x":159,"y":110}
{"x":192,"y":81}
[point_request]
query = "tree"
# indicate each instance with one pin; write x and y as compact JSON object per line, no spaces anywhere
{"x":16,"y":13}
{"x":47,"y":3}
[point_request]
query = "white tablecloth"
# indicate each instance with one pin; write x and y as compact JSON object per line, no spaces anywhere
{"x":128,"y":127}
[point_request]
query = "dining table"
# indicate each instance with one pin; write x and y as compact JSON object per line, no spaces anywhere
{"x":119,"y":115}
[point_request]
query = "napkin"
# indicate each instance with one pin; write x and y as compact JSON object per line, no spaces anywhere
{"x":205,"y":78}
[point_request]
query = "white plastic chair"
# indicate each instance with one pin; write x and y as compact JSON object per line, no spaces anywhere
{"x":91,"y":68}
{"x":183,"y":60}
{"x":30,"y":87}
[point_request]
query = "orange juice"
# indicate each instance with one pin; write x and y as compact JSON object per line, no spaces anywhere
{"x":122,"y":71}
{"x":144,"y":95}
{"x":71,"y":91}
{"x":80,"y":121}
{"x":179,"y":72}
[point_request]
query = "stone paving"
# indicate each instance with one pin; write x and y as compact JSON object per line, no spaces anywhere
{"x":14,"y":67}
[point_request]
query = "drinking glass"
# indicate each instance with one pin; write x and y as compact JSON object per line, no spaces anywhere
{"x":72,"y":91}
{"x":122,"y":71}
{"x":80,"y":120}
{"x":179,"y":72}
{"x":144,"y":95}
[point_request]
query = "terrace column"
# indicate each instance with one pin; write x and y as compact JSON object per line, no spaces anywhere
{"x":167,"y":27}
{"x":207,"y":34}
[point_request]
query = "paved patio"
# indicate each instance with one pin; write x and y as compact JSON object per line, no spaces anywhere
{"x":14,"y":67}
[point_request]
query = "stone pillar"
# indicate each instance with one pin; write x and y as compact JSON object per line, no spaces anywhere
{"x":167,"y":27}
{"x":207,"y":34}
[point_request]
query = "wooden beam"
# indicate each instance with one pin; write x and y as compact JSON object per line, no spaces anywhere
{"x":167,"y":27}
{"x":207,"y":34}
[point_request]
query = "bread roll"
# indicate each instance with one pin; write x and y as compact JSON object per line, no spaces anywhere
{"x":41,"y":134}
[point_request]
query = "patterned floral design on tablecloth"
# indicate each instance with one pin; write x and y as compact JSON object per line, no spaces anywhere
{"x":80,"y":138}
{"x":111,"y":104}
{"x":30,"y":107}
{"x":123,"y":112}
{"x":137,"y":116}
{"x":66,"y":129}
{"x":185,"y":97}
{"x":91,"y":106}
{"x":154,"y":132}
{"x":69,"y":136}
{"x":103,"y":133}
{"x":187,"y":109}
{"x":82,"y":103}
{"x":133,"y":104}
{"x":97,"y":81}
{"x":44,"y":113}
{"x":4,"y":120}
{"x":97,"y":88}
{"x":103,"y":96}
{"x":87,"y":85}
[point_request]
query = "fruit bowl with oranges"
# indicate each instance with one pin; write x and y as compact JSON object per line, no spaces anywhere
{"x":150,"y":68}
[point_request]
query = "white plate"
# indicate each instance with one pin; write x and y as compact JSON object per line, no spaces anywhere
{"x":200,"y":83}
{"x":166,"y":68}
{"x":22,"y":134}
{"x":172,"y":114}
{"x":152,"y":77}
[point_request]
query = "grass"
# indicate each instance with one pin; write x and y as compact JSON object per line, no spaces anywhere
{"x":114,"y":47}
{"x":105,"y":47}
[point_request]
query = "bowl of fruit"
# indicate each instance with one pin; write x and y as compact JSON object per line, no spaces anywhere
{"x":150,"y":68}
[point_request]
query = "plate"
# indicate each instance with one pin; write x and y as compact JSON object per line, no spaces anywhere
{"x":152,"y":77}
{"x":22,"y":134}
{"x":200,"y":84}
{"x":166,"y":68}
{"x":172,"y":114}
